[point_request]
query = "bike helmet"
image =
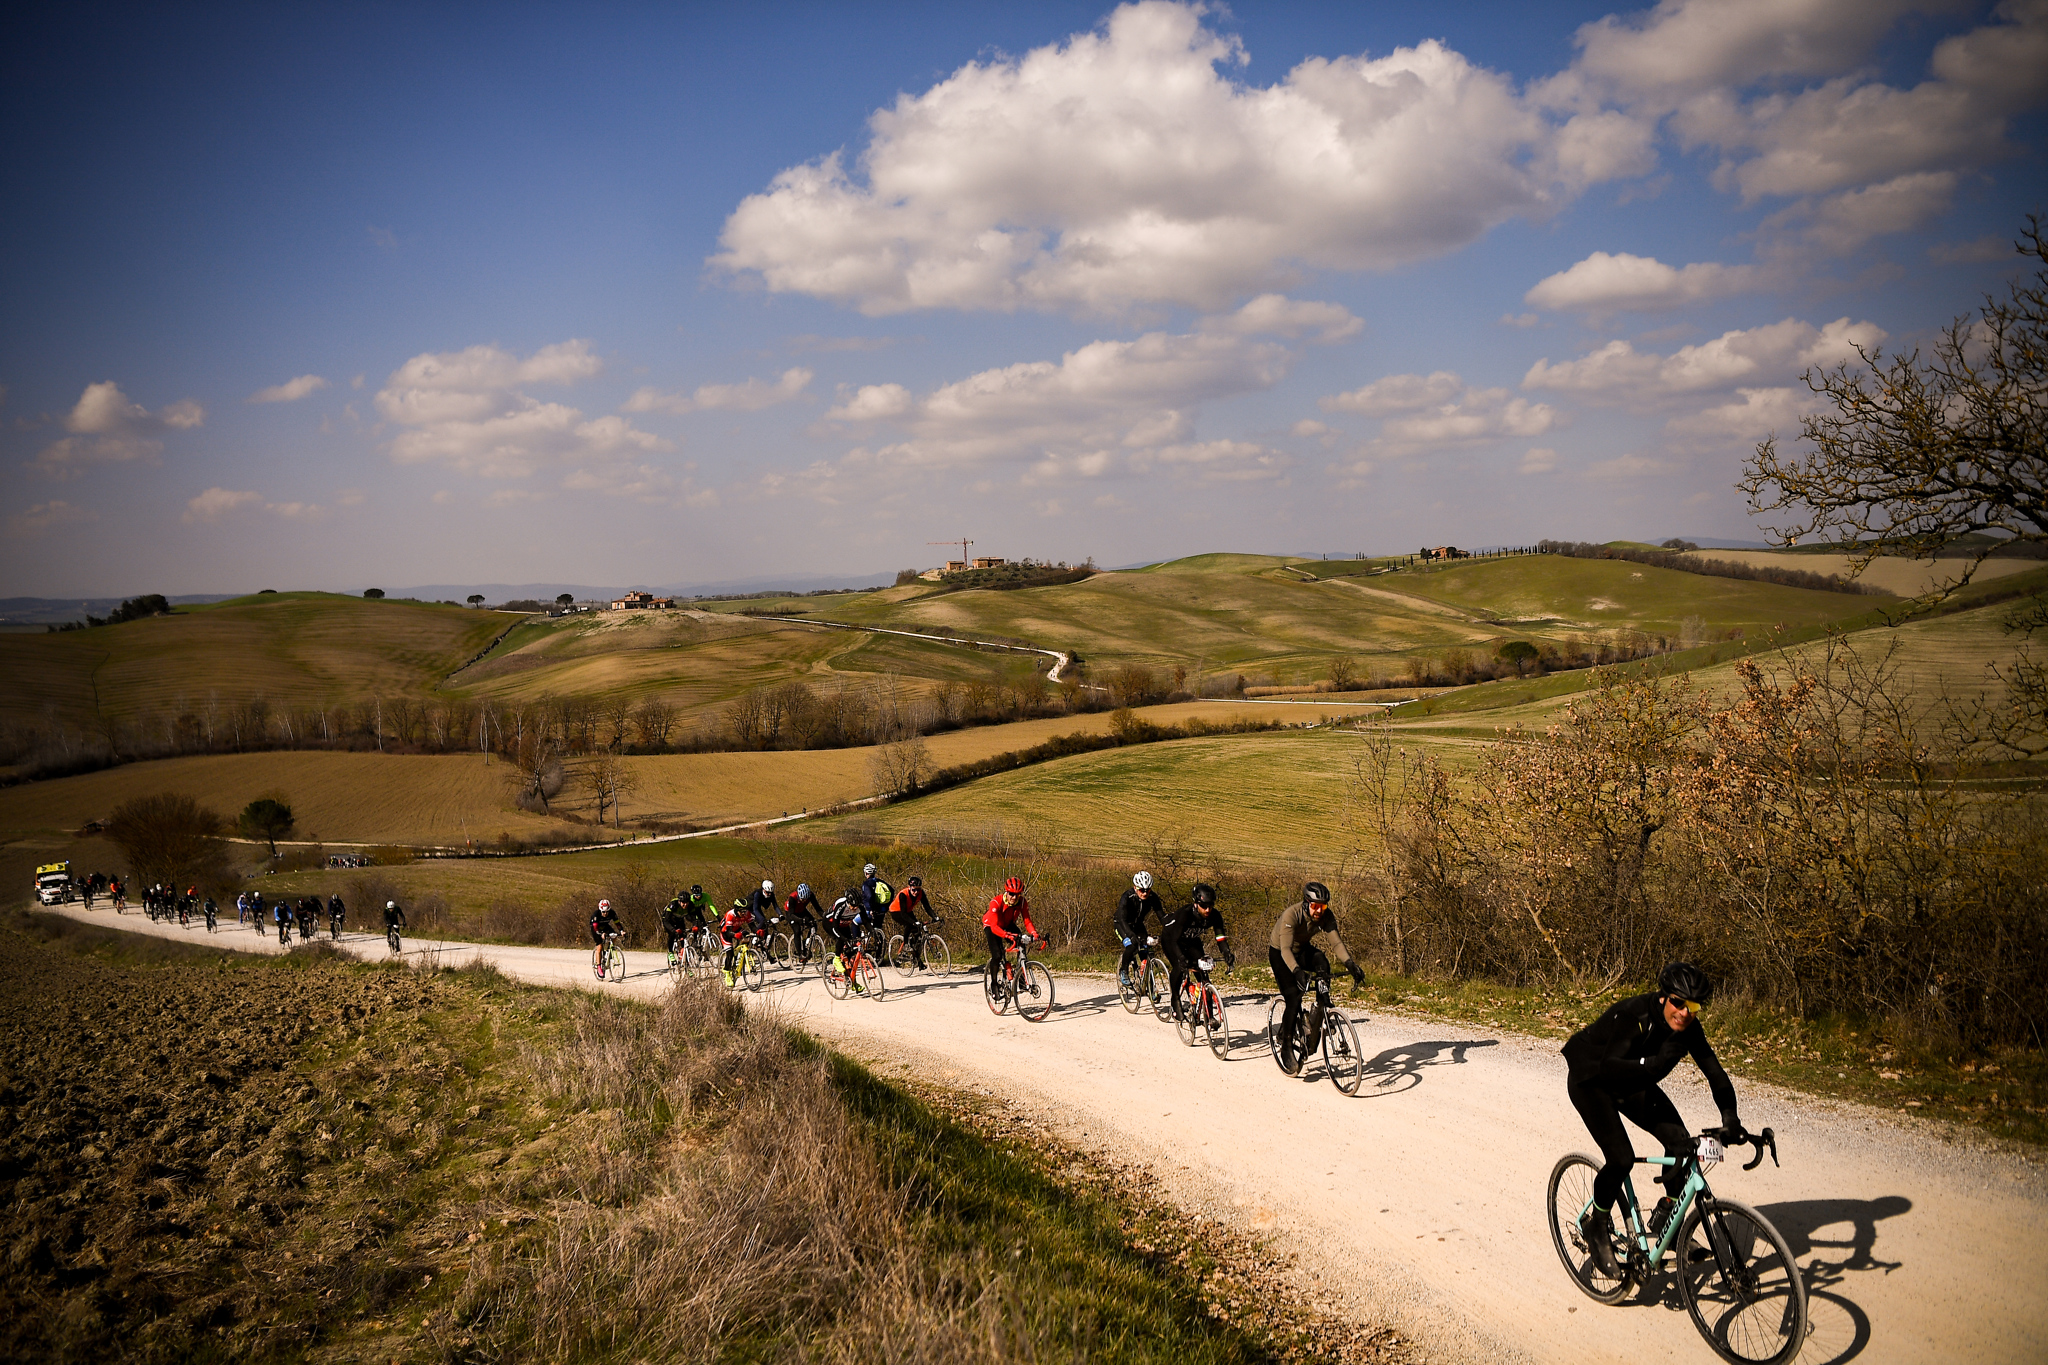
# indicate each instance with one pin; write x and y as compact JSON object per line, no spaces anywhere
{"x":1205,"y":895}
{"x":1685,"y":981}
{"x":803,"y":891}
{"x":393,"y":905}
{"x":1315,"y":893}
{"x":1014,"y":887}
{"x":868,"y":871}
{"x":696,"y":890}
{"x":603,"y":906}
{"x":768,"y":886}
{"x":1143,"y":881}
{"x":915,"y":881}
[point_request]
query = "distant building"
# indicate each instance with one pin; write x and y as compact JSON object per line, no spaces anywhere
{"x":989,"y":562}
{"x":1444,"y":552}
{"x":956,"y":566}
{"x":642,"y":601}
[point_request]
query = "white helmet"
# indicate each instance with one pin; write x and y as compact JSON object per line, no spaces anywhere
{"x":390,"y":905}
{"x":868,"y":871}
{"x":803,"y":891}
{"x":768,"y":886}
{"x":1143,"y":881}
{"x":604,"y":905}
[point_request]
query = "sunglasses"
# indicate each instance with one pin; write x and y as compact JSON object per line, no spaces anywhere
{"x":1689,"y":1006}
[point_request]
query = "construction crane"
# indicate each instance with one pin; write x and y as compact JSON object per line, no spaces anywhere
{"x":963,"y":543}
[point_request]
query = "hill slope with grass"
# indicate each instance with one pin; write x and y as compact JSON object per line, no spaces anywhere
{"x":289,"y":648}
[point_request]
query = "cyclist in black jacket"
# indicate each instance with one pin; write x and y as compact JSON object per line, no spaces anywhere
{"x":1181,"y":936}
{"x":337,"y":915}
{"x":1615,"y":1064}
{"x":675,"y":922}
{"x":803,"y":912}
{"x":1133,"y":909}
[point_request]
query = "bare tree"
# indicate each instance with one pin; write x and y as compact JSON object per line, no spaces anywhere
{"x":900,"y":767}
{"x":608,"y":779}
{"x":655,"y":721}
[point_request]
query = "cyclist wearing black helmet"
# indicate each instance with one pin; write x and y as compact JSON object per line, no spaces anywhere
{"x":1292,"y":946}
{"x":1615,"y":1064}
{"x":696,"y":907}
{"x":1181,"y":935}
{"x":903,"y":914}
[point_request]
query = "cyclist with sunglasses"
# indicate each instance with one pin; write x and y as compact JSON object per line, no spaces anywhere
{"x":1615,"y":1064}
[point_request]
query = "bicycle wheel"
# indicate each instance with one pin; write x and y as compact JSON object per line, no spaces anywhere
{"x":393,"y":940}
{"x":1741,"y":1284}
{"x":1187,"y":1022}
{"x":1341,"y":1056}
{"x":814,"y":951}
{"x":692,"y":958}
{"x":780,"y":949}
{"x":1157,"y":988}
{"x":996,"y":993}
{"x":897,"y":954}
{"x":1034,"y":994}
{"x":867,"y":978}
{"x":938,"y":958}
{"x":1127,"y":989}
{"x":836,"y":980}
{"x":1276,"y":1012}
{"x":1571,"y":1194}
{"x":614,"y":962}
{"x":1216,"y":1022}
{"x":752,"y":967}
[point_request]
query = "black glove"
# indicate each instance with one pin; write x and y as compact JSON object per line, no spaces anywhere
{"x":1357,"y":975}
{"x":1229,"y":958}
{"x":1732,"y":1134}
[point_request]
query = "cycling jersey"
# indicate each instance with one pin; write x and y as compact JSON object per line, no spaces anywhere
{"x":674,"y":922}
{"x":876,"y":896}
{"x":1295,"y":928}
{"x":1615,"y":1064}
{"x":904,"y":907}
{"x":1002,"y":920}
{"x":803,"y":907}
{"x":734,"y":923}
{"x":761,"y":904}
{"x":394,"y":916}
{"x":697,"y":910}
{"x":336,"y":911}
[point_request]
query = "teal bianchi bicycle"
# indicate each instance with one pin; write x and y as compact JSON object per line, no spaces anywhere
{"x":1735,"y":1272}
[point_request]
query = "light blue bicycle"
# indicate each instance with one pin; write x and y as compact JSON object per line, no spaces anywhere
{"x":1736,"y":1273}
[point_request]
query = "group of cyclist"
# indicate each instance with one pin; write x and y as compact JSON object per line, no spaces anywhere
{"x":304,"y":914}
{"x":870,"y":907}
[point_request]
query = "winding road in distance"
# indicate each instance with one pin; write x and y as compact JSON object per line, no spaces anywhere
{"x":1420,"y":1201}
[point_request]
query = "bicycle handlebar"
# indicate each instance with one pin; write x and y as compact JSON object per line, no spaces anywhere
{"x":1762,"y":1141}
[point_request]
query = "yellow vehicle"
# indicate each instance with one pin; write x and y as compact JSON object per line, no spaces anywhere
{"x":53,"y":884}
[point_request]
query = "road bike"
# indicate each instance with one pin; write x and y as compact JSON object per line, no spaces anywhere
{"x":284,"y":933}
{"x":1318,"y":1023}
{"x":905,"y":949}
{"x":780,"y":944}
{"x":1736,"y":1273}
{"x":212,"y":917}
{"x":1145,"y":984}
{"x":334,"y":923}
{"x":701,"y":951}
{"x":855,"y":974}
{"x":391,"y":937}
{"x":1202,"y":1015}
{"x":608,"y":960}
{"x":1021,"y":982}
{"x":747,"y":967}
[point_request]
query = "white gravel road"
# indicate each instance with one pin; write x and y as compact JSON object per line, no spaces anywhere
{"x":1421,"y":1200}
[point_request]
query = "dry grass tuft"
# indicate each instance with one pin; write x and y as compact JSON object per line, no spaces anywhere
{"x":715,"y":1201}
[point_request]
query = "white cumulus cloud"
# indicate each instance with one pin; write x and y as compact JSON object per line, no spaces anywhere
{"x":291,"y":391}
{"x":108,"y":427}
{"x":752,"y":395}
{"x":1604,"y":283}
{"x":1618,"y":374}
{"x":1126,"y":166}
{"x":1439,"y":411}
{"x":470,"y":410}
{"x":216,"y":503}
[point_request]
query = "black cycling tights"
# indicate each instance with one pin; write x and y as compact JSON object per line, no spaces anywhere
{"x":996,"y":946}
{"x":1318,"y":966}
{"x":1650,"y":1110}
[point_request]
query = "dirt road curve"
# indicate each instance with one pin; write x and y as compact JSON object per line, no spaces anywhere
{"x":1422,"y":1198}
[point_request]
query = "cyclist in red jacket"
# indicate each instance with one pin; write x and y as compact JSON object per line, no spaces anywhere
{"x":1001,"y":927}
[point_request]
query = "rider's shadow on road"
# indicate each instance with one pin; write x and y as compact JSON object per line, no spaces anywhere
{"x":1829,"y":1239}
{"x":1399,"y":1069}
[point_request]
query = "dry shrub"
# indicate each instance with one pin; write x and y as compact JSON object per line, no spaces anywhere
{"x":714,"y":1201}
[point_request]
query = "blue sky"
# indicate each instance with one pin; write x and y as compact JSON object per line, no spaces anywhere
{"x":300,"y":296}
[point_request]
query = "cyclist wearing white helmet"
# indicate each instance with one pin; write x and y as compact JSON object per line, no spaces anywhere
{"x":603,"y":922}
{"x":761,"y":904}
{"x":1133,"y":909}
{"x":393,"y":916}
{"x":802,"y":911}
{"x":875,"y":894}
